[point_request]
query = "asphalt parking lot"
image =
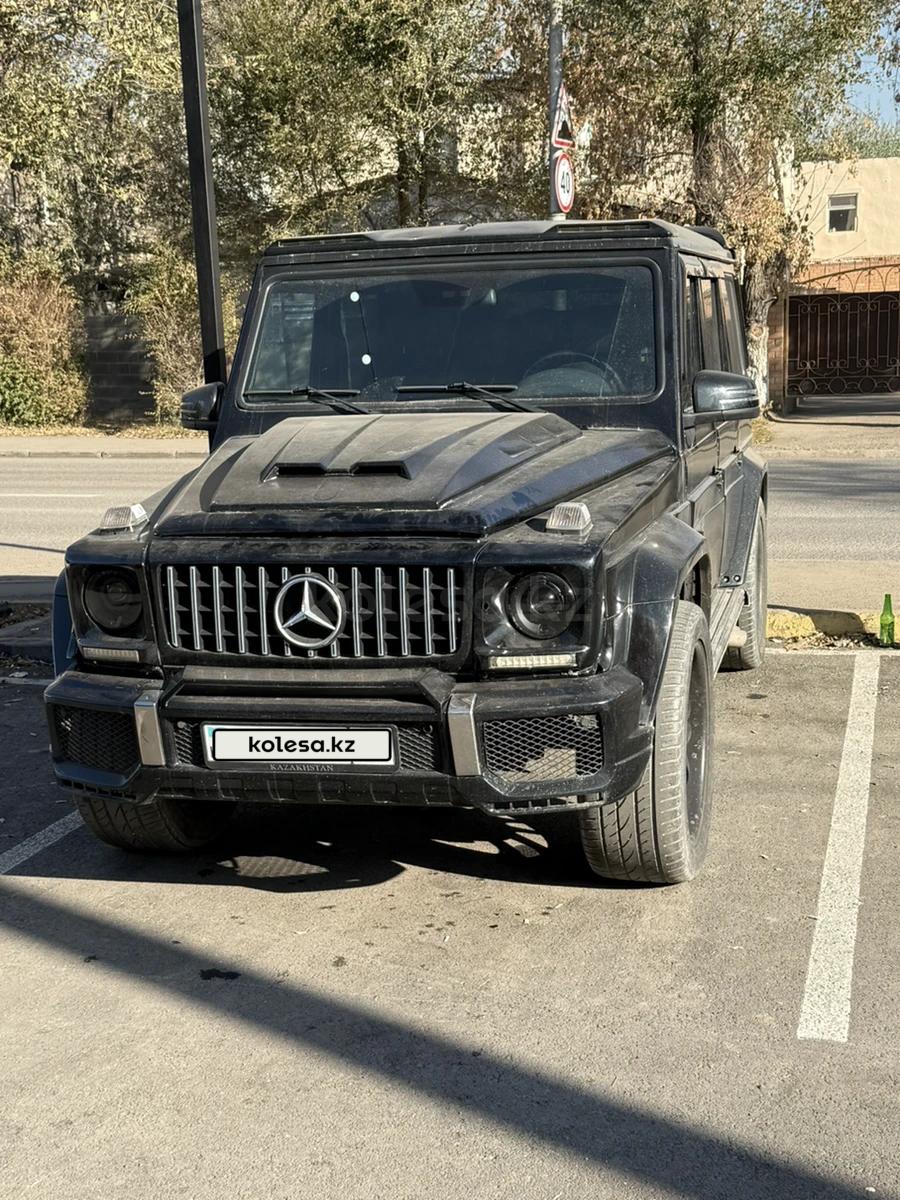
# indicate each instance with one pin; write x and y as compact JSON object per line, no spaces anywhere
{"x":406,"y":1004}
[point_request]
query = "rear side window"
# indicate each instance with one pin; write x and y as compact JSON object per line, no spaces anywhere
{"x":710,"y":341}
{"x":691,"y":340}
{"x":733,"y":325}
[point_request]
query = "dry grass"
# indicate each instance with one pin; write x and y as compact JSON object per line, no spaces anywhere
{"x":762,"y":432}
{"x":157,"y":431}
{"x":121,"y":431}
{"x":39,"y":343}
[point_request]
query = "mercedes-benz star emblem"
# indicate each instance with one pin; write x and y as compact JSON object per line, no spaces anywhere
{"x":320,"y":615}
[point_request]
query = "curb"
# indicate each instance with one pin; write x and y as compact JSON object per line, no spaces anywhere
{"x":34,"y":649}
{"x":37,"y":589}
{"x":806,"y":622}
{"x":27,"y":630}
{"x":120,"y":454}
{"x":28,"y":639}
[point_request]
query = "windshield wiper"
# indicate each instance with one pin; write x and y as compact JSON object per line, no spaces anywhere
{"x":483,"y":392}
{"x":334,"y":396}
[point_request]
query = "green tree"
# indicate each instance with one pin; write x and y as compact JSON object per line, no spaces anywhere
{"x":421,"y":66}
{"x":36,"y":45}
{"x":79,"y":84}
{"x":861,"y":136}
{"x":728,"y":91}
{"x":329,"y":113}
{"x":339,"y":113}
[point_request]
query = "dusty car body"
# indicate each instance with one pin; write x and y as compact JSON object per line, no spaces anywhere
{"x":480,"y":521}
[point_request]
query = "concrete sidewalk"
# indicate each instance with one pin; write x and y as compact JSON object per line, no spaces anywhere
{"x":101,"y":445}
{"x":835,"y":427}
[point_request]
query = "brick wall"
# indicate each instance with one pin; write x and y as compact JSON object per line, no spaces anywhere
{"x":849,"y":275}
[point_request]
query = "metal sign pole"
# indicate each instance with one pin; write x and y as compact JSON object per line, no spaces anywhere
{"x":555,"y":78}
{"x":203,"y":199}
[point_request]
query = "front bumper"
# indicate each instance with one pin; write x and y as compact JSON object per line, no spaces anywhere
{"x":526,"y":745}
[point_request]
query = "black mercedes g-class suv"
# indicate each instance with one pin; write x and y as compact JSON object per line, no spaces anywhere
{"x":479,"y":523}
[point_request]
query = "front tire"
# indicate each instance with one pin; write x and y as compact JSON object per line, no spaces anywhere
{"x":164,"y":825}
{"x":660,"y":832}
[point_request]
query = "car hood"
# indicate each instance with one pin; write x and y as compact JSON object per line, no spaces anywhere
{"x":459,"y":474}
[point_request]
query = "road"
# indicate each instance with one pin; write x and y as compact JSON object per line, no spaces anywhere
{"x":833,"y":532}
{"x":46,"y":503}
{"x":832,"y":528}
{"x":404,"y":1004}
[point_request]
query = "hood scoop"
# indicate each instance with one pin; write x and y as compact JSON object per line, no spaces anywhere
{"x":318,"y":470}
{"x":391,"y":460}
{"x":397,"y":474}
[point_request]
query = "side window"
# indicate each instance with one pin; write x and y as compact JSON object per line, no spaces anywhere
{"x":284,"y":343}
{"x":691,"y":340}
{"x":734,"y":328}
{"x":710,"y":341}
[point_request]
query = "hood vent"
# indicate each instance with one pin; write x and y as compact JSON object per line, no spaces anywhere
{"x":290,"y":470}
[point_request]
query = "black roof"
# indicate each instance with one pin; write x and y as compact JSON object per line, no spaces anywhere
{"x":693,"y":239}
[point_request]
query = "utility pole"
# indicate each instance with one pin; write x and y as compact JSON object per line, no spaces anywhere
{"x":555,"y":79}
{"x":203,"y":198}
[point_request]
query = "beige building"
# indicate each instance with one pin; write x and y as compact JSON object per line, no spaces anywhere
{"x":852,"y":208}
{"x":838,"y":332}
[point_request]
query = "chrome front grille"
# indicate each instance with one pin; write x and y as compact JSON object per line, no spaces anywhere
{"x":389,"y":611}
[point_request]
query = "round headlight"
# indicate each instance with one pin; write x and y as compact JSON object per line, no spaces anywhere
{"x":112,"y":599}
{"x":541,"y":605}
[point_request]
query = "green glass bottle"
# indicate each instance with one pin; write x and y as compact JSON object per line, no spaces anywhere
{"x":887,"y":622}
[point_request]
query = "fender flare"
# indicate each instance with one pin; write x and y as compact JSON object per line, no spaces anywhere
{"x":649,"y":584}
{"x":62,"y":632}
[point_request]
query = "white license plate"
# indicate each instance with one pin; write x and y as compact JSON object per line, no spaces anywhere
{"x":298,"y":744}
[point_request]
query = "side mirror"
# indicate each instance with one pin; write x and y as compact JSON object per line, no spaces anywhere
{"x":723,"y":396}
{"x":199,"y":407}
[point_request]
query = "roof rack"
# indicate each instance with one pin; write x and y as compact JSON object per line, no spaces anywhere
{"x":710,"y":232}
{"x":692,"y":238}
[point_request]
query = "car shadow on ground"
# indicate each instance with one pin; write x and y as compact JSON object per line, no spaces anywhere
{"x":595,"y":1124}
{"x":311,"y":849}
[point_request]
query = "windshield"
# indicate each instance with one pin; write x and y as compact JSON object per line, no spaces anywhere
{"x":538,"y":333}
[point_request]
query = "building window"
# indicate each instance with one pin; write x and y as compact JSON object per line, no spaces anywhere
{"x":841,"y":214}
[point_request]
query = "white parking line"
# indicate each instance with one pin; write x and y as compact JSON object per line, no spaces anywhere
{"x":825,"y":1012}
{"x":10,"y":859}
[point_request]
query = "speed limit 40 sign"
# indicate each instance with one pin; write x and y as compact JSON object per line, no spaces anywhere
{"x":564,"y":182}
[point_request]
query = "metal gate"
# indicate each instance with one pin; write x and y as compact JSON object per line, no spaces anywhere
{"x":844,"y":332}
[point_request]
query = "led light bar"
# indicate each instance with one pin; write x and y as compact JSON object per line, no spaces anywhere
{"x":531,"y":662}
{"x":123,"y":516}
{"x":572,"y":516}
{"x":111,"y":654}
